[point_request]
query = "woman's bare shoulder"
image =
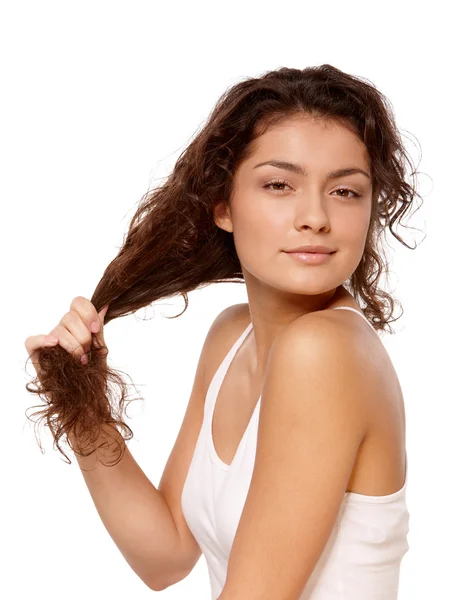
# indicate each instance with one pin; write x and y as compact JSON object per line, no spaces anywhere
{"x":224,"y":331}
{"x":229,"y":323}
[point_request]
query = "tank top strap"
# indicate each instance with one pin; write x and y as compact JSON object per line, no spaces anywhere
{"x":222,"y":369}
{"x":358,"y":313}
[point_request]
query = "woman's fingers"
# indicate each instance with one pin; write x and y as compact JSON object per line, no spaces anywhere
{"x":33,"y":343}
{"x":76,"y":331}
{"x":64,"y":339}
{"x":79,"y":339}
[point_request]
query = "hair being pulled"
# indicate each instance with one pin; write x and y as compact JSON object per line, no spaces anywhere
{"x":173,"y":245}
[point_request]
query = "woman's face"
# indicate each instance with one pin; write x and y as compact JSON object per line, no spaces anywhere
{"x":273,"y":209}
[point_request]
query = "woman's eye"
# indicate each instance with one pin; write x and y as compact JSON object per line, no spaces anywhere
{"x":355,"y":194}
{"x":282,"y":183}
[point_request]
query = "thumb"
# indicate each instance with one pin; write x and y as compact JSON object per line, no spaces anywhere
{"x":99,"y":337}
{"x":103,"y":312}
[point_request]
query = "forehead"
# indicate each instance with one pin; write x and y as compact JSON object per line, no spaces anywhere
{"x":315,"y":143}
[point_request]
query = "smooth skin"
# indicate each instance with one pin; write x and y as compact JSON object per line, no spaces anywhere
{"x":274,"y":209}
{"x":322,"y":380}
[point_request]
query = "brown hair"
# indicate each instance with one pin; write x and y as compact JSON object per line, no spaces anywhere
{"x":173,"y":245}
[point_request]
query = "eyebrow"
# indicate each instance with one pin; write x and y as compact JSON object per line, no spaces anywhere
{"x":295,"y":168}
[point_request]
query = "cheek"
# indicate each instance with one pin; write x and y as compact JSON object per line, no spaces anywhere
{"x":258,"y":233}
{"x":260,"y":222}
{"x":364,"y":227}
{"x":353,"y":227}
{"x":356,"y":232}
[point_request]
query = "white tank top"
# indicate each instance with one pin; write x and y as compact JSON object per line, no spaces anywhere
{"x":361,"y":560}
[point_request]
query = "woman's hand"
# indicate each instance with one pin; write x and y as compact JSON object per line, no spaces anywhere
{"x":75,"y":332}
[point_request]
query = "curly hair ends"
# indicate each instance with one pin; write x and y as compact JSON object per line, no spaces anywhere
{"x":173,"y":245}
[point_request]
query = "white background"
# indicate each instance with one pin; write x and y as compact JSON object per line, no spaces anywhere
{"x":98,"y":99}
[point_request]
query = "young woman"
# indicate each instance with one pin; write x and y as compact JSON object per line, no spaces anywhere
{"x":289,"y":471}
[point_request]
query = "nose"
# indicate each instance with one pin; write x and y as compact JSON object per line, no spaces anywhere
{"x":311,"y":211}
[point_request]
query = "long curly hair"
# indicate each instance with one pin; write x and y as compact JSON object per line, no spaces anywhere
{"x":173,"y":245}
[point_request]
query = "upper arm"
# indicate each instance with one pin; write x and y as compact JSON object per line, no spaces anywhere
{"x":177,"y":465}
{"x":312,"y":421}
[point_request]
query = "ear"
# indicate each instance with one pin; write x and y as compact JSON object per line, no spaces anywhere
{"x":222,"y":217}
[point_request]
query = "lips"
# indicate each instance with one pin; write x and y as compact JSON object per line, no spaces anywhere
{"x":308,"y":248}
